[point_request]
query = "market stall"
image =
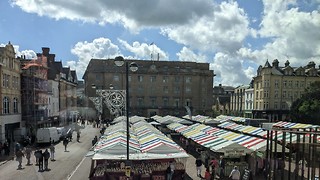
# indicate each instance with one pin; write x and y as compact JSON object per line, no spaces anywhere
{"x":150,"y":153}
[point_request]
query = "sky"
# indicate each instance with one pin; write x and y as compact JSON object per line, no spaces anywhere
{"x":235,"y":37}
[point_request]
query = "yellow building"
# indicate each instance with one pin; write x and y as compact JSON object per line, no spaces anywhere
{"x":277,"y":87}
{"x":10,"y":95}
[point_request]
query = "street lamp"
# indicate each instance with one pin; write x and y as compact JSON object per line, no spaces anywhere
{"x":119,"y":61}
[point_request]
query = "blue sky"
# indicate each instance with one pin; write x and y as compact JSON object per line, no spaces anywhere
{"x":235,"y":37}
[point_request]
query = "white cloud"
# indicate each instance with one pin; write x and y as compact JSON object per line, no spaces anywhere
{"x":28,"y":53}
{"x":295,"y":33}
{"x":230,"y":70}
{"x":223,"y":30}
{"x":132,"y":14}
{"x":99,"y":48}
{"x":144,"y":51}
{"x":187,"y":54}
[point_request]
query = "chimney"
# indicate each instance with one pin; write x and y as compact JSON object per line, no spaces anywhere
{"x":45,"y":50}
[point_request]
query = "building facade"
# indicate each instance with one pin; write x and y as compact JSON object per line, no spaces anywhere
{"x":248,"y":102}
{"x":10,"y":94}
{"x":222,"y":99}
{"x":277,"y":87}
{"x":238,"y":101}
{"x":67,"y":86}
{"x":157,"y":87}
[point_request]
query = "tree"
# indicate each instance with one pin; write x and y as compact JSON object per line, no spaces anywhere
{"x":307,"y":108}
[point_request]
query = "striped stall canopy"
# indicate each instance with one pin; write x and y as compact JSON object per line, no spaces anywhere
{"x":291,"y":125}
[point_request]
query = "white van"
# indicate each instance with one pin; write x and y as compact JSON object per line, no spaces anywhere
{"x":47,"y":135}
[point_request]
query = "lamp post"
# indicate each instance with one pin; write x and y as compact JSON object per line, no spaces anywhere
{"x":119,"y":61}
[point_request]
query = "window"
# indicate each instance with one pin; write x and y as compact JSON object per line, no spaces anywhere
{"x":15,"y":105}
{"x":176,"y":79}
{"x":297,"y":83}
{"x":275,"y":105}
{"x":290,"y":84}
{"x":5,"y":80}
{"x":276,"y":94}
{"x":188,"y":89}
{"x":165,"y":79}
{"x":176,"y":102}
{"x":276,"y":83}
{"x":153,"y":102}
{"x":116,"y":78}
{"x":165,"y":102}
{"x":284,"y":94}
{"x":140,"y":89}
{"x":153,"y":79}
{"x":140,"y":102}
{"x":165,"y":89}
{"x":266,"y":94}
{"x":6,"y":105}
{"x":188,"y":79}
{"x":176,"y":89}
{"x":140,"y":78}
{"x":285,"y":83}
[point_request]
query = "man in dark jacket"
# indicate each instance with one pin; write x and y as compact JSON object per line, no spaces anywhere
{"x":46,"y":156}
{"x":40,"y":155}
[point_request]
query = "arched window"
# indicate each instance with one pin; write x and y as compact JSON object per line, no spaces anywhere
{"x":6,"y":105}
{"x":15,"y":105}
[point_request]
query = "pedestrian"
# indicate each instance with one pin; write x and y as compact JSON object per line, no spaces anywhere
{"x":222,"y":164}
{"x":37,"y":155}
{"x":65,"y":143}
{"x":46,"y":156}
{"x":78,"y":136}
{"x":17,"y":147}
{"x":28,"y":155}
{"x":6,"y":148}
{"x":52,"y":151}
{"x":19,"y":155}
{"x":235,"y":173}
{"x":207,"y":175}
{"x":94,"y":141}
{"x":198,"y":166}
{"x":214,"y":167}
{"x":40,"y":162}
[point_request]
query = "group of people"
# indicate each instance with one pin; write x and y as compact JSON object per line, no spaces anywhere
{"x":213,"y":168}
{"x":42,"y":158}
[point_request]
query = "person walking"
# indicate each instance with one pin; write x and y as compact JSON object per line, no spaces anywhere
{"x":52,"y":151}
{"x":28,"y":154}
{"x":46,"y":156}
{"x":19,"y":155}
{"x":65,"y":143}
{"x":78,"y":136}
{"x":235,"y":173}
{"x":40,"y":162}
{"x":198,"y":166}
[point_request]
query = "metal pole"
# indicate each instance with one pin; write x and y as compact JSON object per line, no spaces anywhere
{"x":283,"y":154}
{"x":290,"y":153}
{"x":127,"y":106}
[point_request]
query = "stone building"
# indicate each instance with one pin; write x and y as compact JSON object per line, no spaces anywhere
{"x":277,"y":87}
{"x":10,"y":95}
{"x":238,"y":100}
{"x":157,"y":87}
{"x":221,"y":99}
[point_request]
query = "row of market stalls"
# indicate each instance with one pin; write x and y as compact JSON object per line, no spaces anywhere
{"x":150,"y":152}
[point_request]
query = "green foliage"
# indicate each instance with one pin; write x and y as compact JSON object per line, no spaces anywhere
{"x":307,"y":108}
